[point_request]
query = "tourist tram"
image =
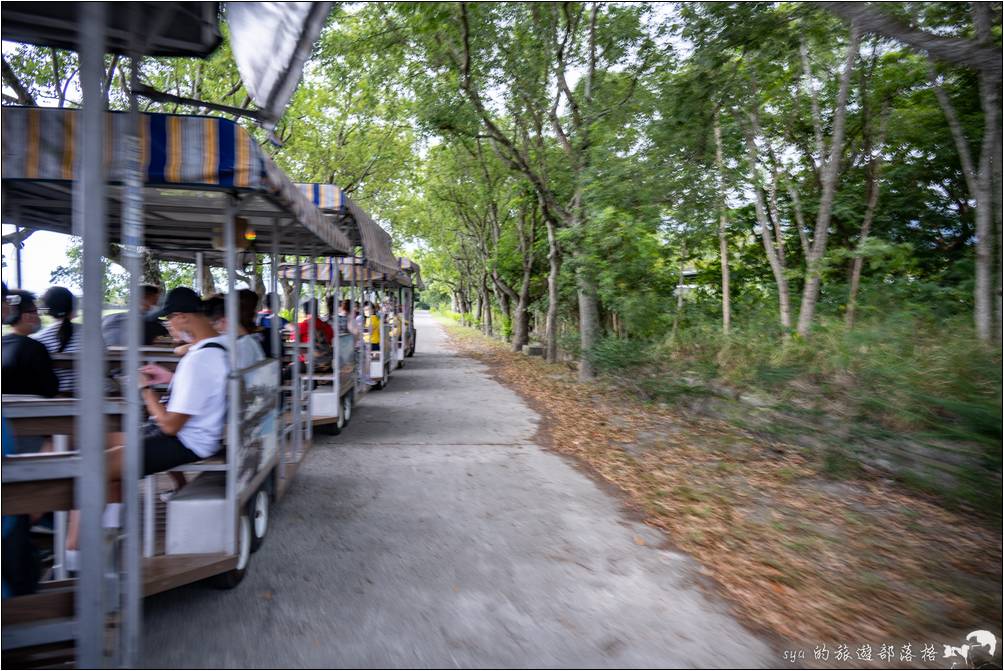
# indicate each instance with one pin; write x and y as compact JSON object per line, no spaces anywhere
{"x":384,"y":290}
{"x":205,"y":185}
{"x":409,"y":333}
{"x":183,"y":188}
{"x":334,"y":395}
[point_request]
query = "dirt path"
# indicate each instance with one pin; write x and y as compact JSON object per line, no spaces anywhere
{"x":435,"y":533}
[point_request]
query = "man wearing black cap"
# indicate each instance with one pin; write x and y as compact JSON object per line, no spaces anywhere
{"x":189,"y":427}
{"x":27,"y":366}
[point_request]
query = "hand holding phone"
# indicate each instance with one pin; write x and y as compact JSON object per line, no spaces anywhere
{"x":155,"y":374}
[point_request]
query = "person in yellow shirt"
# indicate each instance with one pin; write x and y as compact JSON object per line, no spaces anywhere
{"x":393,"y":319}
{"x":372,"y":326}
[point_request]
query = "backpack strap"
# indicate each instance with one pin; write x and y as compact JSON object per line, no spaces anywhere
{"x":213,"y":345}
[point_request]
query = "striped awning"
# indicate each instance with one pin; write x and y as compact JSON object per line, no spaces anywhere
{"x":326,"y":197}
{"x":356,"y":223}
{"x":194,"y":153}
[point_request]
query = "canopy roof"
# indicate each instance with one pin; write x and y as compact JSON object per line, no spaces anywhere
{"x":189,"y":164}
{"x":270,"y":42}
{"x":356,"y":224}
{"x":182,"y":28}
{"x":412,"y":268}
{"x":352,"y":268}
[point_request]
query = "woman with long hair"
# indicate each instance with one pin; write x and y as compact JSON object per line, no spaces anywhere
{"x":63,"y":335}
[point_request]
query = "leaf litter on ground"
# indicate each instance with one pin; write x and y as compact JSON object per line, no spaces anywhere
{"x":811,"y":559}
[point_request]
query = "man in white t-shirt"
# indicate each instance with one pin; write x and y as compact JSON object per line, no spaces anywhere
{"x":189,"y":427}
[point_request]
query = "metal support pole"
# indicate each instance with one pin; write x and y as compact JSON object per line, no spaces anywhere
{"x":233,"y":377}
{"x":17,"y":251}
{"x":357,"y":291}
{"x":132,"y":467}
{"x":311,"y":340}
{"x":59,"y":444}
{"x":276,"y":344}
{"x":200,"y":273}
{"x":149,"y":515}
{"x":89,"y":222}
{"x":335,"y":276}
{"x":297,"y":389}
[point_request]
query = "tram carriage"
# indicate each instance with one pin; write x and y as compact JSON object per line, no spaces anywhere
{"x":409,"y":333}
{"x":198,"y":175}
{"x":351,"y":277}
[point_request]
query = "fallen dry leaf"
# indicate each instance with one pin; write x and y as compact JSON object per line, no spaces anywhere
{"x":812,"y":559}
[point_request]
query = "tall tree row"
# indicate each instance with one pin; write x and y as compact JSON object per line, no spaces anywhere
{"x":573,"y":173}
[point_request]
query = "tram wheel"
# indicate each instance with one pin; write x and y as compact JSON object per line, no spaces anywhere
{"x":234,"y":576}
{"x":346,"y":415}
{"x":259,"y":510}
{"x":332,"y":429}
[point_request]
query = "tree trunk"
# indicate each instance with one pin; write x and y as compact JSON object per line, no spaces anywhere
{"x":810,"y":292}
{"x":679,"y":294}
{"x":987,"y":209}
{"x":554,"y":268}
{"x":723,"y":221}
{"x":486,"y":306}
{"x":151,"y":272}
{"x":866,"y":224}
{"x":527,"y":236}
{"x":521,"y":319}
{"x":783,"y":298}
{"x":208,"y":287}
{"x":589,"y":321}
{"x":979,"y":181}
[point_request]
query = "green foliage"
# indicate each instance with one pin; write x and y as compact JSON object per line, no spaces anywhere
{"x":629,"y":180}
{"x":619,"y":355}
{"x":72,"y":274}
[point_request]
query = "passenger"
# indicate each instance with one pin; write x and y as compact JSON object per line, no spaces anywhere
{"x":393,"y":319}
{"x":21,"y":566}
{"x":249,"y":349}
{"x":189,"y":427}
{"x":346,"y":319}
{"x":64,"y":335}
{"x":264,"y":318}
{"x":27,"y":366}
{"x":357,"y":312}
{"x":330,"y":318}
{"x":113,"y":327}
{"x":372,"y":332}
{"x":323,"y":335}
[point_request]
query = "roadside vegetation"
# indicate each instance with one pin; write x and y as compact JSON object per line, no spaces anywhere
{"x":812,"y":551}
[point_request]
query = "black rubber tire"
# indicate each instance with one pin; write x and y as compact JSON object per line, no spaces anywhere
{"x":261,"y":497}
{"x":347,"y":403}
{"x":234,"y":576}
{"x":331,"y":429}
